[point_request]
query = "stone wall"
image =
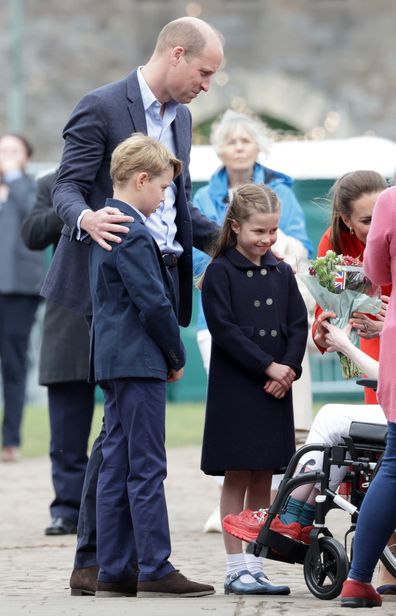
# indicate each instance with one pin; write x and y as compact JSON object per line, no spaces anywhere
{"x":326,"y":67}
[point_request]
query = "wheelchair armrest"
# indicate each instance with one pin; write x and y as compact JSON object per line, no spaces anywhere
{"x":368,"y":432}
{"x":370,"y":383}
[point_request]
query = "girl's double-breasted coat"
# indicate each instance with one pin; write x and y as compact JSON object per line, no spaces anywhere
{"x":256,"y":316}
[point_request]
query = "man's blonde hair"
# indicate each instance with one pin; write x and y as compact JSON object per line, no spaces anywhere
{"x":140,"y":153}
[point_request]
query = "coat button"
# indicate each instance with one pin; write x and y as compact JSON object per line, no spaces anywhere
{"x":262,"y":332}
{"x":274,"y":333}
{"x":269,"y":301}
{"x":263,"y":272}
{"x":257,"y":303}
{"x":249,"y":273}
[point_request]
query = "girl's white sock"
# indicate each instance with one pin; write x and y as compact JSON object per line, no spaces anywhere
{"x":254,"y":564}
{"x":237,"y":563}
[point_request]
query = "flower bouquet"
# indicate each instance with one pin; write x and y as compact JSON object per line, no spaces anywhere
{"x":338,"y":284}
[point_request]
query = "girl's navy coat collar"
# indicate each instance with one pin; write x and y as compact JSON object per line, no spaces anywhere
{"x":238,"y":260}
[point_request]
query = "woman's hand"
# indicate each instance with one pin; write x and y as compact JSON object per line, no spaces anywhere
{"x":337,"y":339}
{"x":320,"y":329}
{"x":384,"y":307}
{"x":370,"y":328}
{"x":366,"y":328}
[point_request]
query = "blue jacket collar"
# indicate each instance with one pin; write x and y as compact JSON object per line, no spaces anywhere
{"x":124,"y":207}
{"x":218,"y":183}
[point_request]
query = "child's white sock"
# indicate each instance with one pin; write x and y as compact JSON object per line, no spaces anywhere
{"x":254,"y":564}
{"x":237,"y":563}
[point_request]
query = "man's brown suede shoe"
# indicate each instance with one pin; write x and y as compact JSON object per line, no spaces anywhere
{"x":173,"y":585}
{"x":83,"y":581}
{"x":125,"y":588}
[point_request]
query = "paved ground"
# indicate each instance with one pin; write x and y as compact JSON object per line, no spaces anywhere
{"x":34,"y":569}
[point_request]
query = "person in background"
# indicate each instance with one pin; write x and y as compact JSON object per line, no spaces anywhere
{"x":258,"y":323}
{"x":353,"y":199}
{"x":295,"y":254}
{"x":21,"y":276}
{"x":63,"y":369}
{"x":238,"y":140}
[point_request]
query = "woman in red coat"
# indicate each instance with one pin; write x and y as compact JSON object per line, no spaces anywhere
{"x":354,"y":196}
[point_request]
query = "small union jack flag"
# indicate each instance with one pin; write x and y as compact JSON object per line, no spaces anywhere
{"x":340,"y":280}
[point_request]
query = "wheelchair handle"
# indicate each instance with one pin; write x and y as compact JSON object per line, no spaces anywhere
{"x":370,"y":383}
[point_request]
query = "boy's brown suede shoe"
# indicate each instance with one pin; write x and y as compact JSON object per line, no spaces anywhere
{"x":83,"y":581}
{"x":125,"y":588}
{"x":173,"y":585}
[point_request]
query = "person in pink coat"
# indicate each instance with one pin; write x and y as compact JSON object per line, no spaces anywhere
{"x":377,"y":518}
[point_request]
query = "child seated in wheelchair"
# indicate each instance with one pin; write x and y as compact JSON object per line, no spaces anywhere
{"x":330,"y":426}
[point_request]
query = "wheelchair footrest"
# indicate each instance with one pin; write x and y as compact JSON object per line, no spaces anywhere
{"x":278,"y":547}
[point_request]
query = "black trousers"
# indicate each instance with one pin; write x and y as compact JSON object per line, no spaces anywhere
{"x":71,"y":406}
{"x":17,"y":313}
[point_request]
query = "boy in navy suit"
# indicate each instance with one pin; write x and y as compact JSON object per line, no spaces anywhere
{"x":135,"y":349}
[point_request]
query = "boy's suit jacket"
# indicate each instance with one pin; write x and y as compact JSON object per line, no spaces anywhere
{"x":134,"y":331}
{"x":101,"y":120}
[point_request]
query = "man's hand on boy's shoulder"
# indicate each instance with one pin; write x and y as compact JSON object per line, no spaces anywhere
{"x":174,"y":375}
{"x":102,"y":224}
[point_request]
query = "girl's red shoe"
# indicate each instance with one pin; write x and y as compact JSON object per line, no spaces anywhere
{"x":247,"y":525}
{"x":358,"y":594}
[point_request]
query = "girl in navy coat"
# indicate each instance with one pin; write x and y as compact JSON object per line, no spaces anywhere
{"x":258,"y":322}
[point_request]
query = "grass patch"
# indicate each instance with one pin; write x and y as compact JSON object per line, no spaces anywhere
{"x":184,"y":423}
{"x":184,"y":426}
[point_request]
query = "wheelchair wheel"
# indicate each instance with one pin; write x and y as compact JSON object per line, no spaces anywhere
{"x":325,"y":573}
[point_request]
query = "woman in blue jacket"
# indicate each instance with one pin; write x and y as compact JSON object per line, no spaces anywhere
{"x":238,"y":140}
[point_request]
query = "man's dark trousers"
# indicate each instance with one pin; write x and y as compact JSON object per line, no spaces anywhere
{"x":70,"y":404}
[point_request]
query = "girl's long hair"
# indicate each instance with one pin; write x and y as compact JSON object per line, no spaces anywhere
{"x":347,"y":189}
{"x":247,"y":200}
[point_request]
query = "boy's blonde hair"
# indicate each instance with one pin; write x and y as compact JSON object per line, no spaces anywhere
{"x":140,"y":153}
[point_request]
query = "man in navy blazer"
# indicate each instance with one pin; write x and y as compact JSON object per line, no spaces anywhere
{"x":100,"y":121}
{"x":149,"y":100}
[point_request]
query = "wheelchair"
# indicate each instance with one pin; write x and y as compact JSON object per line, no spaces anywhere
{"x":326,"y":560}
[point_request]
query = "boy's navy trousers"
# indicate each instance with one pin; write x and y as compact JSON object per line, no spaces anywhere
{"x":86,"y":530}
{"x":132,"y":518}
